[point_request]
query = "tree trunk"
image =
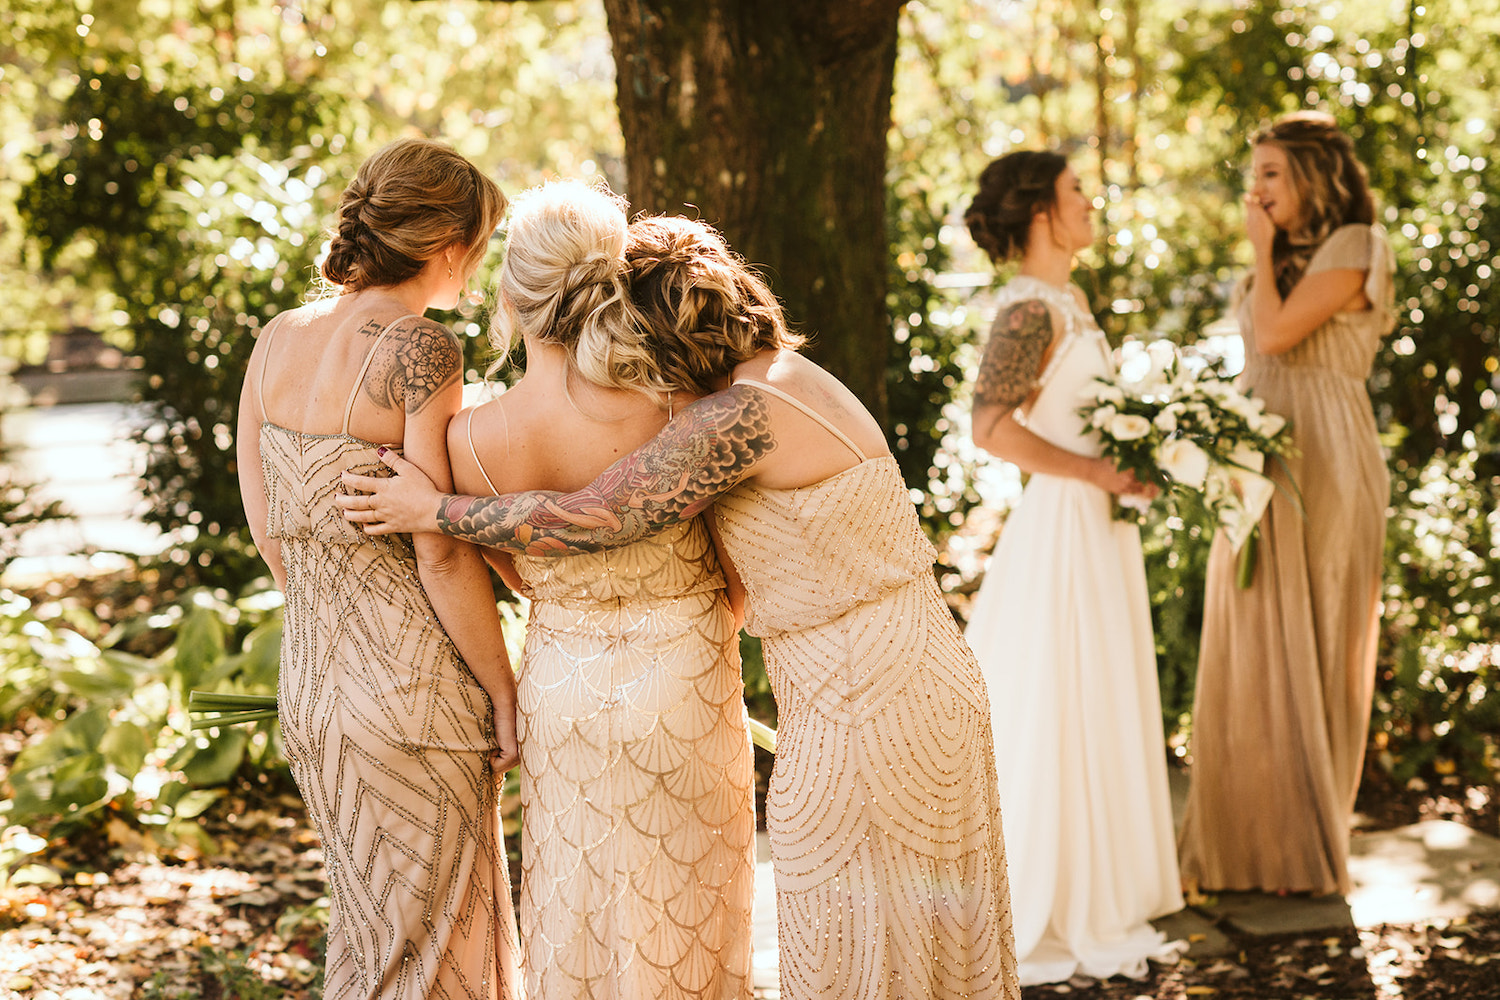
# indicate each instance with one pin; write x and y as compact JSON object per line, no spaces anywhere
{"x":768,"y":119}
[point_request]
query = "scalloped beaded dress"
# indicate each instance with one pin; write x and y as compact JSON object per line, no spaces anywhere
{"x":883,"y":815}
{"x":1286,"y":668}
{"x":389,"y":738}
{"x":637,"y":777}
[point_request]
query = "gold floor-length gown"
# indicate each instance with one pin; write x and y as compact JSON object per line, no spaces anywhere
{"x":1287,"y":667}
{"x":389,"y":737}
{"x":883,"y":812}
{"x":637,"y":783}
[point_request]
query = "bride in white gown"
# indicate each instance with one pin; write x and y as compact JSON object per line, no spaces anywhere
{"x":1062,"y":622}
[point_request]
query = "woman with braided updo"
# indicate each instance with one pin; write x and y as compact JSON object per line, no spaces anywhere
{"x":1286,"y":668}
{"x":396,"y":699}
{"x":882,"y":815}
{"x":1062,"y":623}
{"x":637,"y":778}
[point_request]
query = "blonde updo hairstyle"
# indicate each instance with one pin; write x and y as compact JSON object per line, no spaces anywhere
{"x":562,"y":283}
{"x":1331,"y":185}
{"x":702,"y":308}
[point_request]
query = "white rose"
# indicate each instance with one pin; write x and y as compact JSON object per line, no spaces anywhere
{"x":1163,"y":354}
{"x":1268,"y":424}
{"x":1165,"y":421}
{"x":1101,"y":416}
{"x":1129,"y":427}
{"x":1184,"y":461}
{"x":1245,"y":456}
{"x":1111,"y":394}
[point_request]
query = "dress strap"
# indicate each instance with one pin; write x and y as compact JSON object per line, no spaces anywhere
{"x":265,"y":364}
{"x":469,"y":433}
{"x":798,"y":404}
{"x":364,"y":368}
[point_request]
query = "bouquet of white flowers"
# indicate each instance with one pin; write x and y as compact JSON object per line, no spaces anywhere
{"x":1172,"y":419}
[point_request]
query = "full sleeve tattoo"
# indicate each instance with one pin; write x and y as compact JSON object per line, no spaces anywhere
{"x":705,"y":452}
{"x":1012,"y":361}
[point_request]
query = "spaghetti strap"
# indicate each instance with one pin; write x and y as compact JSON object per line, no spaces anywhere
{"x":827,"y":424}
{"x":359,"y":379}
{"x":265,"y":364}
{"x":469,"y":433}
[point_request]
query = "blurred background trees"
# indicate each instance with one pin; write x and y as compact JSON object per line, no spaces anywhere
{"x":170,"y":165}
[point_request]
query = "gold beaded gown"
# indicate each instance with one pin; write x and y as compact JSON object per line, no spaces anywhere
{"x":883,"y":812}
{"x":389,"y":737}
{"x":637,"y":782}
{"x":1286,"y":669}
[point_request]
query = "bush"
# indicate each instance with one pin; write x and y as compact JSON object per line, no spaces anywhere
{"x":109,"y":751}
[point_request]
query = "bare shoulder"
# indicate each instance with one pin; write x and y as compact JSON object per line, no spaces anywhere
{"x":417,"y":358}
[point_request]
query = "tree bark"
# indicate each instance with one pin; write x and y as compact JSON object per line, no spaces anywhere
{"x":769,"y":119}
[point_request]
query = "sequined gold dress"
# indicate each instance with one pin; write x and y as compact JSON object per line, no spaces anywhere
{"x":883,"y":814}
{"x":389,"y":738}
{"x":1286,"y":669}
{"x":637,"y":782}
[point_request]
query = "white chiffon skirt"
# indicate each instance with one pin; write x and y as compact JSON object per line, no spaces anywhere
{"x":1062,"y":630}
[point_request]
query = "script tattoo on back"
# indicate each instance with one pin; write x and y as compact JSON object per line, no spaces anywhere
{"x":1013,"y":357}
{"x":417,"y":359}
{"x":705,"y":452}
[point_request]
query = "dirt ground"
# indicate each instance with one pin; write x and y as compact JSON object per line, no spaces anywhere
{"x":243,"y":922}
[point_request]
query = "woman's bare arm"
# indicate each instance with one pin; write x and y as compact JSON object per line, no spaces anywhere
{"x":706,"y":451}
{"x":452,"y":573}
{"x":251,"y":472}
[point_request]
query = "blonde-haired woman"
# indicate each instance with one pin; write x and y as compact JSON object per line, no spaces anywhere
{"x":396,"y":698}
{"x":637,"y":784}
{"x":883,"y":816}
{"x":1286,"y":669}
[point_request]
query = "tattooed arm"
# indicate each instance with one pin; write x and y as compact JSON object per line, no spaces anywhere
{"x":710,"y":447}
{"x":419,"y":370}
{"x":1019,"y":344}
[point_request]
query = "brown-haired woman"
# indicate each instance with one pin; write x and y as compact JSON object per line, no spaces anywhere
{"x":1061,"y":625}
{"x":883,"y":817}
{"x":396,"y":698}
{"x":1286,"y":668}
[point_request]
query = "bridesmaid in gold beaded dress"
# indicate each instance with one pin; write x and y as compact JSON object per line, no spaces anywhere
{"x":396,"y":698}
{"x":883,"y":814}
{"x":637,"y":780}
{"x":1287,"y":667}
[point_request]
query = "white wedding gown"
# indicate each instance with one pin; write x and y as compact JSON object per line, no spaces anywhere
{"x":1062,"y":630}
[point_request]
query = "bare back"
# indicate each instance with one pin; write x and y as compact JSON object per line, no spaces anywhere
{"x":534,"y":438}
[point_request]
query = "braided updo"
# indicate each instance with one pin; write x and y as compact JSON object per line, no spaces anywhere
{"x":1012,"y":190}
{"x":410,"y":201}
{"x":561,"y":282}
{"x":702,"y":308}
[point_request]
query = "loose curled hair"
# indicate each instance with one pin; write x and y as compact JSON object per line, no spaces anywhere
{"x":562,"y":283}
{"x":1012,"y":190}
{"x":702,"y":309}
{"x":410,"y":201}
{"x":1331,"y":186}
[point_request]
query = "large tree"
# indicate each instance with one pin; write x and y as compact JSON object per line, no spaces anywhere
{"x":769,"y":119}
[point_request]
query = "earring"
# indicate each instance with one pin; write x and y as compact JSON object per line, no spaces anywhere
{"x":450,"y":270}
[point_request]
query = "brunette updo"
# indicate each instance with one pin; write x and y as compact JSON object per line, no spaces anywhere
{"x":702,"y":309}
{"x":1331,"y":185}
{"x":1012,"y":190}
{"x":409,"y":202}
